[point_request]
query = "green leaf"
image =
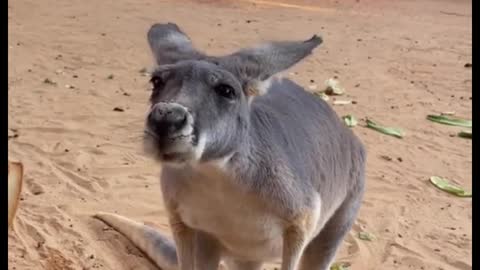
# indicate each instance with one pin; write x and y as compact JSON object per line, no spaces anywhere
{"x":350,"y":120}
{"x":448,"y":120}
{"x":465,"y":134}
{"x":396,"y":132}
{"x":366,"y":236}
{"x":340,"y":266}
{"x":446,"y":186}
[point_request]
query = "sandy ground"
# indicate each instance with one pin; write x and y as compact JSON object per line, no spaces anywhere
{"x":399,"y":61}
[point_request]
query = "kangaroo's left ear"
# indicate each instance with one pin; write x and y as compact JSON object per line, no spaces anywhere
{"x":170,"y":44}
{"x":255,"y":66}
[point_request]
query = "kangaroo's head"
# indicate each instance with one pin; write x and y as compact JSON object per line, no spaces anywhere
{"x":200,"y":104}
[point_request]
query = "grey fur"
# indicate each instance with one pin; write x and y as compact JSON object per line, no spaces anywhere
{"x":257,"y":178}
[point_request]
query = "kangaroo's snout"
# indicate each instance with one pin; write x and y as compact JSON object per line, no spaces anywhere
{"x":169,"y":133}
{"x":167,"y":119}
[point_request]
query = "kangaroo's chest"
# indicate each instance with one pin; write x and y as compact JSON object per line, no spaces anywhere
{"x":210,"y":201}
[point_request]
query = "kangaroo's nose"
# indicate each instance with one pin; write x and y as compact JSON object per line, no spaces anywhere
{"x":166,"y":119}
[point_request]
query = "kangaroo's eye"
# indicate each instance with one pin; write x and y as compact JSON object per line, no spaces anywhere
{"x":225,"y":91}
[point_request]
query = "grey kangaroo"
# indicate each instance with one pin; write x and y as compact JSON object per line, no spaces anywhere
{"x":254,"y":168}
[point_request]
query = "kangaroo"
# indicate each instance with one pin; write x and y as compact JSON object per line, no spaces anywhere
{"x":254,"y":167}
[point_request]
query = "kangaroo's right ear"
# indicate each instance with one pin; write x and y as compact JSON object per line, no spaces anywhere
{"x":169,"y":44}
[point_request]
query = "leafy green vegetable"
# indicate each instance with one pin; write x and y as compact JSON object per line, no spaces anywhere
{"x":465,"y":134}
{"x":448,"y":120}
{"x":340,"y":266}
{"x":366,"y":236}
{"x":446,"y":186}
{"x":350,"y":120}
{"x":396,"y":132}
